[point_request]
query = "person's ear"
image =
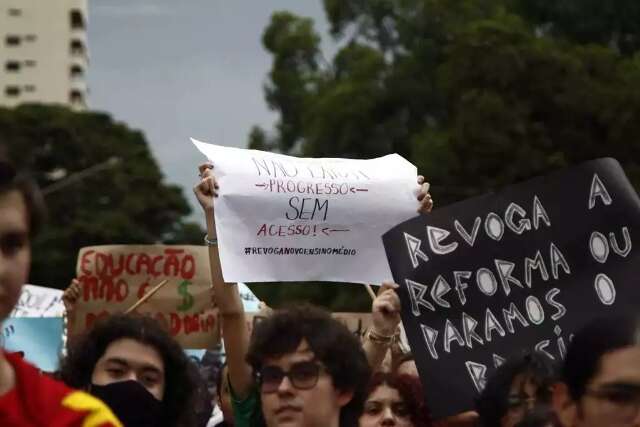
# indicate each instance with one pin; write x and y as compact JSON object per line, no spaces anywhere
{"x":344,"y":397}
{"x":563,"y":405}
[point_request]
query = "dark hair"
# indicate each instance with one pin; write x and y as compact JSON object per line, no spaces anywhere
{"x":597,"y":338}
{"x":492,"y":404}
{"x":331,"y":342}
{"x":11,"y":180}
{"x":410,"y":392}
{"x":180,"y":374}
{"x":202,"y":406}
{"x":539,"y":417}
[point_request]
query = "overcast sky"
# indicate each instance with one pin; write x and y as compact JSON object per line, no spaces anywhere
{"x":180,"y":69}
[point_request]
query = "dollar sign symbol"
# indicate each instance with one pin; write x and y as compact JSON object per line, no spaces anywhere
{"x":187,"y":298}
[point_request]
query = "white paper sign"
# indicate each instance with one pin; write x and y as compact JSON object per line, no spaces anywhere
{"x":282,"y":218}
{"x":38,"y":301}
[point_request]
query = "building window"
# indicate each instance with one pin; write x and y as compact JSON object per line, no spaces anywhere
{"x":12,"y":40}
{"x":12,"y":91}
{"x":76,"y":71}
{"x":12,"y":66}
{"x":77,"y":19}
{"x":30,"y":63}
{"x":30,"y":37}
{"x":77,"y":47}
{"x":14,"y":11}
{"x":76,"y":97}
{"x":29,"y":88}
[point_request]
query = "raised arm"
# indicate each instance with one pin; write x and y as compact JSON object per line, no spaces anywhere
{"x":231,"y":310}
{"x":385,"y":314}
{"x":70,"y":299}
{"x":385,"y":309}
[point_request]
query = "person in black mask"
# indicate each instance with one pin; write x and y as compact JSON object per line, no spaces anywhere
{"x":132,"y":364}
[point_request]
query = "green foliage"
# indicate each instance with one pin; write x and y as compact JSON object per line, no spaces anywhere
{"x":614,"y":23}
{"x":123,"y":202}
{"x":294,"y":45}
{"x":478,"y":94}
{"x":519,"y":106}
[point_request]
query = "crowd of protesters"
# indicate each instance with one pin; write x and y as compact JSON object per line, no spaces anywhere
{"x":299,"y":366}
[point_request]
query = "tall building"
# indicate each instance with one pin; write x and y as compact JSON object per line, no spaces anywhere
{"x":43,"y":52}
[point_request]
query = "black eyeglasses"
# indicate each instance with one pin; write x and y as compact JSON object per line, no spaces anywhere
{"x":303,"y":376}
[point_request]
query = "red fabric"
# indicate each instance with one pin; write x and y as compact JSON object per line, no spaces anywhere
{"x":36,"y":400}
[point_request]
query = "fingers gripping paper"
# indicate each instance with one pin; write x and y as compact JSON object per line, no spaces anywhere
{"x":113,"y":278}
{"x":282,"y":218}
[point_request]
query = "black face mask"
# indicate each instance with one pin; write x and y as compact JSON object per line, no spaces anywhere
{"x":131,"y":403}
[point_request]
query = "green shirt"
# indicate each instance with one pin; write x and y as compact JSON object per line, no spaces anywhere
{"x":247,"y":412}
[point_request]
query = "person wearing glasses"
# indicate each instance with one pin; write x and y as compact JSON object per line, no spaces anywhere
{"x":310,"y":369}
{"x":600,"y":383}
{"x":518,"y":386}
{"x":333,"y":399}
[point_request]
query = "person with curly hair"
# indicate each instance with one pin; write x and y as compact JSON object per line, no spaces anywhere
{"x":311,"y":370}
{"x":394,"y":400}
{"x":294,"y":376}
{"x":134,"y":365}
{"x":523,"y":383}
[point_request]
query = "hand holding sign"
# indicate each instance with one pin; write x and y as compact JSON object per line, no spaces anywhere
{"x":522,"y":268}
{"x":115,"y":278}
{"x":303,"y":219}
{"x":424,"y":197}
{"x":71,"y":296}
{"x":70,"y":299}
{"x":385,"y":312}
{"x":207,"y":188}
{"x":385,"y":318}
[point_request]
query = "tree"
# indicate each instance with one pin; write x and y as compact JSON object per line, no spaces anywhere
{"x":379,"y":88}
{"x":127,"y":202}
{"x":478,"y":93}
{"x":520,"y":105}
{"x":471,"y":90}
{"x":613,"y":23}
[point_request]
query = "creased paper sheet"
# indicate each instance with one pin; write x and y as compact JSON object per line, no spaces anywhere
{"x":282,"y":218}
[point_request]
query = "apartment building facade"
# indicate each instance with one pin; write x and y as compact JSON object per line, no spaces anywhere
{"x":43,"y":52}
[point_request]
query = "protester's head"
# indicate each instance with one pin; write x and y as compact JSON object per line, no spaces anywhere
{"x":224,"y":395}
{"x":600,"y":384}
{"x":133,"y":364}
{"x":515,"y":388}
{"x":406,"y":365}
{"x":394,"y":400}
{"x":311,"y":369}
{"x":21,"y":211}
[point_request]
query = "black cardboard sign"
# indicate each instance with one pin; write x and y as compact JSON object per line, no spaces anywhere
{"x":524,"y":268}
